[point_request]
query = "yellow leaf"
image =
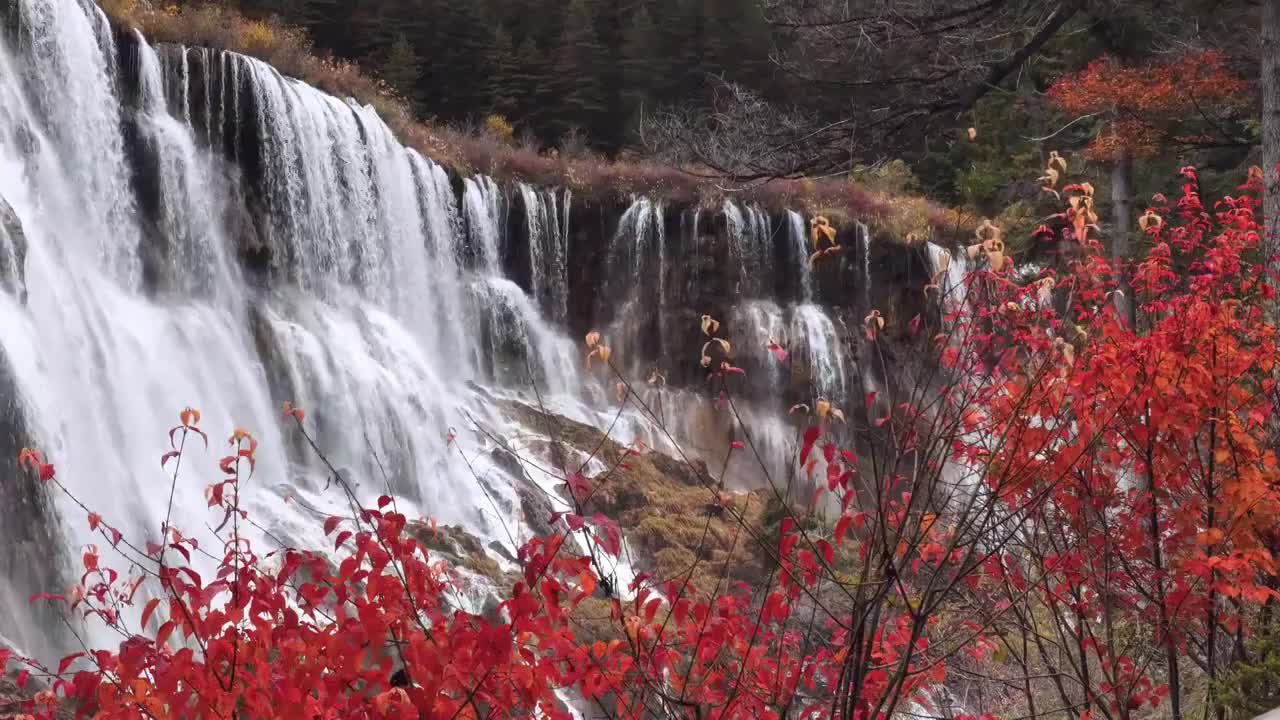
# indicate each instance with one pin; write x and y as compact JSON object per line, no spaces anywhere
{"x":1057,"y":162}
{"x":823,"y":407}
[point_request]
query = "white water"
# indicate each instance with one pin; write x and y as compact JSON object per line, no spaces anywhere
{"x":800,"y":247}
{"x":751,"y":238}
{"x":387,"y":309}
{"x":814,"y":331}
{"x":864,"y":246}
{"x":547,"y":222}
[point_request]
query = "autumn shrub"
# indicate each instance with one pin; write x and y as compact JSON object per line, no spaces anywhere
{"x":1077,"y":504}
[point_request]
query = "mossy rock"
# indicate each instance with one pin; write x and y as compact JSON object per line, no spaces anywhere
{"x":460,"y":548}
{"x":670,"y":510}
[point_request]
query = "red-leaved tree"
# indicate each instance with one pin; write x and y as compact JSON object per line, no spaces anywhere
{"x":1050,"y":504}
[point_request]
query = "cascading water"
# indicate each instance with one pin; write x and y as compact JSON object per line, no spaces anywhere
{"x":635,"y":290}
{"x":814,"y":330}
{"x":485,"y":214}
{"x":547,"y":222}
{"x":799,"y":237}
{"x":751,"y":237}
{"x":950,"y":270}
{"x":864,"y":248}
{"x":184,"y":226}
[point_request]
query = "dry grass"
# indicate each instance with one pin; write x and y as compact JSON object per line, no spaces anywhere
{"x":893,"y":215}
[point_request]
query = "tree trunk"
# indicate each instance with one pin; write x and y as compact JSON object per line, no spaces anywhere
{"x":1122,"y":230}
{"x":1269,"y":80}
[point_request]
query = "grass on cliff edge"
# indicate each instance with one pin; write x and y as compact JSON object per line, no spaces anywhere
{"x":289,"y":49}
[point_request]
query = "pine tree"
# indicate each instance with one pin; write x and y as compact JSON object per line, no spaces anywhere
{"x":685,"y":47}
{"x":532,"y":86}
{"x":737,"y":41}
{"x":644,"y":64}
{"x":504,"y":89}
{"x":402,"y":70}
{"x":578,"y":66}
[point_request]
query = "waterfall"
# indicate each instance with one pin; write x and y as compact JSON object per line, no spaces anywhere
{"x":635,"y":289}
{"x":548,"y":231}
{"x":189,"y":227}
{"x":952,"y":269}
{"x":369,"y":332}
{"x":194,"y":257}
{"x":864,"y":245}
{"x":485,"y":213}
{"x":755,"y":323}
{"x":816,"y":333}
{"x":751,"y":240}
{"x":799,"y":236}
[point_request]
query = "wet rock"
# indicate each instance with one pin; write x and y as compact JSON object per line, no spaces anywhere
{"x":13,"y":253}
{"x":459,"y":548}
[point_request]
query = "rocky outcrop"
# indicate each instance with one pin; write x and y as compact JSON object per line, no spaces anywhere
{"x":13,"y":253}
{"x":678,"y":520}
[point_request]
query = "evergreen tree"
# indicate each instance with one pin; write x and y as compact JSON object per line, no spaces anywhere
{"x":402,"y":70}
{"x":578,"y":67}
{"x":458,"y":84}
{"x":504,"y":88}
{"x":547,"y":65}
{"x":738,"y":41}
{"x":644,"y":64}
{"x":685,"y":47}
{"x":533,"y":89}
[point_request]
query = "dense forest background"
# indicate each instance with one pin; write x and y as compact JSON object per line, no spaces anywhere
{"x":581,"y":69}
{"x":885,"y":93}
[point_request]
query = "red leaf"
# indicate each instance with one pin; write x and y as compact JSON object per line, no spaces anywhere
{"x":736,"y":445}
{"x":915,"y":325}
{"x":829,"y":452}
{"x":5,"y":654}
{"x":576,"y":522}
{"x":680,"y":611}
{"x":21,"y":680}
{"x":46,"y":472}
{"x":94,"y":520}
{"x":810,"y":437}
{"x":651,"y":609}
{"x":115,"y":537}
{"x":164,"y":459}
{"x":842,"y":527}
{"x":163,"y":633}
{"x":778,"y":352}
{"x":47,"y":596}
{"x":578,"y":484}
{"x":342,"y":537}
{"x":828,"y":552}
{"x":66,"y":662}
{"x":612,"y":540}
{"x":150,"y":608}
{"x":871,"y":398}
{"x":331,"y":523}
{"x":384,"y":501}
